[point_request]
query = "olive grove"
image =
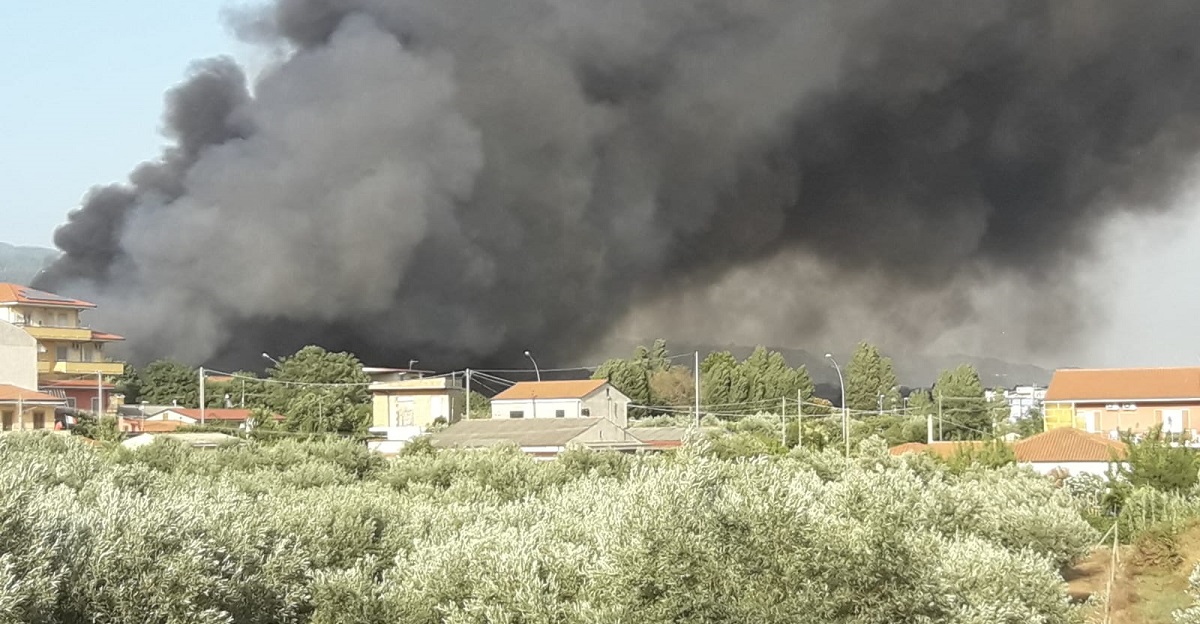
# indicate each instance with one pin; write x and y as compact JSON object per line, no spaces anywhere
{"x":328,"y":533}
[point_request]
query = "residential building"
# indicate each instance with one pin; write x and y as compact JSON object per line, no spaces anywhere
{"x":1114,"y":400}
{"x":71,"y":360}
{"x":589,"y":398}
{"x":406,"y":403}
{"x":18,"y":357}
{"x":229,"y":417}
{"x":1021,"y":400}
{"x":1069,"y":450}
{"x":22,"y":409}
{"x":543,"y":438}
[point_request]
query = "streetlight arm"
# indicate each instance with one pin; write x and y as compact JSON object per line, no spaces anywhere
{"x":535,"y":365}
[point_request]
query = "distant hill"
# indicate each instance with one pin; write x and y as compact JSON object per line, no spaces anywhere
{"x":912,"y":369}
{"x":19,"y":264}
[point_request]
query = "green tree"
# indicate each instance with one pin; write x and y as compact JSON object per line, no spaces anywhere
{"x":920,"y":404}
{"x":630,"y":377}
{"x":721,"y":380}
{"x":673,"y":386}
{"x":165,"y":382}
{"x":1032,"y":424}
{"x":964,"y":410}
{"x":321,"y":391}
{"x":869,"y":376}
{"x":1154,"y":462}
{"x":129,"y":384}
{"x":481,"y":407}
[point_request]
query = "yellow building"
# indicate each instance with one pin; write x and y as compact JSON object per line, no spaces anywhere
{"x":26,"y":410}
{"x":416,"y":402}
{"x":71,"y":364}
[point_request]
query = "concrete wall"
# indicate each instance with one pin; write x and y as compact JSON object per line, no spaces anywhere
{"x":611,"y":405}
{"x":18,"y":357}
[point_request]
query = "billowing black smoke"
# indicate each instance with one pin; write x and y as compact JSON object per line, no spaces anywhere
{"x":462,"y":179}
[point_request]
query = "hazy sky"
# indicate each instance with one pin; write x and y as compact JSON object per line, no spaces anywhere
{"x":83,"y":84}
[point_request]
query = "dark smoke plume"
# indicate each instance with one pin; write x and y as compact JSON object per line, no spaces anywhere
{"x":463,"y":179}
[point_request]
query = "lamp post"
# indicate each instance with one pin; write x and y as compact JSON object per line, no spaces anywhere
{"x":273,"y":360}
{"x":535,"y":366}
{"x":845,"y":415}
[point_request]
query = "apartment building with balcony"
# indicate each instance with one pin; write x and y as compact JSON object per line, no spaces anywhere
{"x":72,"y":363}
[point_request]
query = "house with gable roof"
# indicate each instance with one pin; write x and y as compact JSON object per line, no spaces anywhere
{"x":586,"y":398}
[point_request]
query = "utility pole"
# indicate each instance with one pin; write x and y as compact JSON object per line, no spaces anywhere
{"x":939,"y":416}
{"x":799,"y":420}
{"x":468,"y":376}
{"x":99,"y":396}
{"x":696,"y":374}
{"x":783,"y":419}
{"x":201,"y":396}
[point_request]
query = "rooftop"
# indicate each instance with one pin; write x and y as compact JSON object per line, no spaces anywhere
{"x":1124,"y":384}
{"x":1065,"y":444}
{"x":574,"y":389}
{"x":16,"y":294}
{"x":939,"y":448}
{"x":13,"y":394}
{"x":216,"y":413}
{"x":522,"y":432}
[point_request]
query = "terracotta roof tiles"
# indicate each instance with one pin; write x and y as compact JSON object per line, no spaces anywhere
{"x":1065,"y":444}
{"x":1124,"y":384}
{"x":526,"y":390}
{"x":11,"y":394}
{"x":16,"y":293}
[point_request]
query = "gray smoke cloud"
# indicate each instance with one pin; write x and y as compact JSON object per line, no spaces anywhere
{"x":463,"y":179}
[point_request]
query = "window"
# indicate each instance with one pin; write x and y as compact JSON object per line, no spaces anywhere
{"x":60,"y":353}
{"x":62,"y":319}
{"x":96,"y":404}
{"x":8,"y":419}
{"x":516,"y":414}
{"x":586,"y":412}
{"x":71,"y":402}
{"x":39,"y":419}
{"x":560,"y":413}
{"x":87,"y":353}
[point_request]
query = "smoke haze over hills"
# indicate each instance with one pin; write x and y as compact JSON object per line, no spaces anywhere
{"x":465,"y":179}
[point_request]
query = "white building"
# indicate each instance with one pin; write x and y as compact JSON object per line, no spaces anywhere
{"x":590,"y":398}
{"x":1021,"y":400}
{"x":18,"y":357}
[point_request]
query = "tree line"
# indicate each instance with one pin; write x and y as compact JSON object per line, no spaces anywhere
{"x":730,"y":388}
{"x":317,"y":391}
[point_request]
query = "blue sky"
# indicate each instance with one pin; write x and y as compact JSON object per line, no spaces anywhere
{"x":82,"y":96}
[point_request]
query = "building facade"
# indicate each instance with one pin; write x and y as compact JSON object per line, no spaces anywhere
{"x":71,"y":357}
{"x":1135,"y":400}
{"x":18,"y":357}
{"x":590,"y":398}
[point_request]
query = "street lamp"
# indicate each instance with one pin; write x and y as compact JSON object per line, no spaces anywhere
{"x":535,"y":366}
{"x":845,"y":414}
{"x":273,"y":360}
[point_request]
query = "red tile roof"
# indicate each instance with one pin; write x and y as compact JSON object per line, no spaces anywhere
{"x":941,"y":449}
{"x":1124,"y":384}
{"x":12,"y":394}
{"x":18,"y":294}
{"x":1065,"y":444}
{"x":526,"y":390}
